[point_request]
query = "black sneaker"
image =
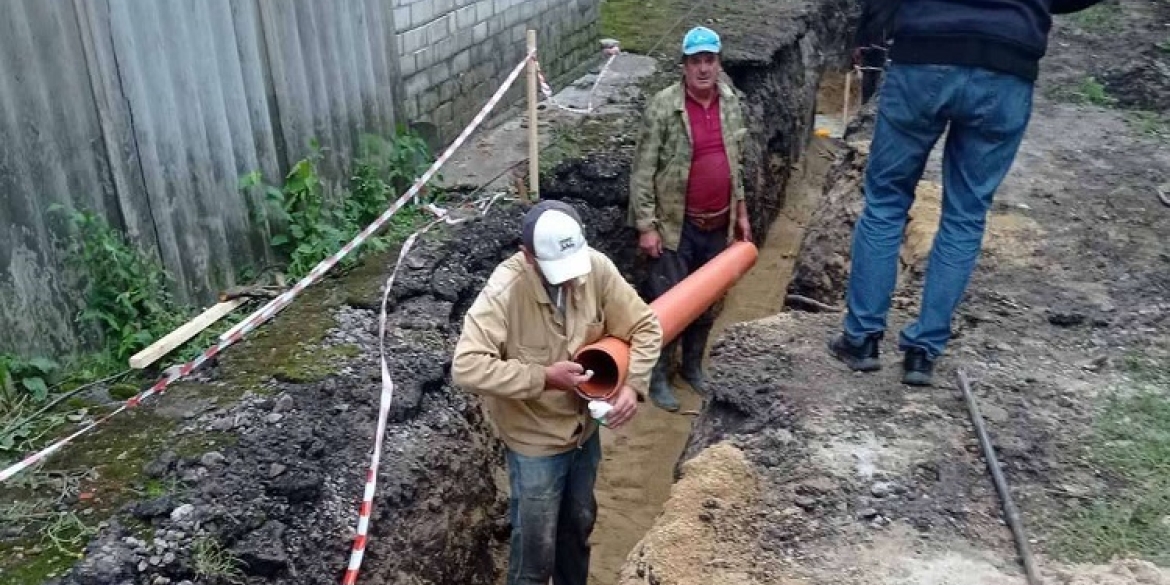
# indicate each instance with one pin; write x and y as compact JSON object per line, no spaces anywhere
{"x":862,"y":358}
{"x":918,"y":368}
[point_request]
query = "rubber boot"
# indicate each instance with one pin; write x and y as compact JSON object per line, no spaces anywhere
{"x":660,"y":391}
{"x":693,"y":345}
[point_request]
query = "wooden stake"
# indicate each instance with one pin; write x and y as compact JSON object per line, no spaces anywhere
{"x":180,"y":336}
{"x":845,"y":113}
{"x":533,"y":129}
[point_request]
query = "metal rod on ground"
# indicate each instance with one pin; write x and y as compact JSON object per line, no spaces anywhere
{"x":533,"y":128}
{"x":1009,"y":508}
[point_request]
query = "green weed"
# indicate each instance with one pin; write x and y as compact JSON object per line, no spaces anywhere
{"x":24,"y":379}
{"x":1088,"y":91}
{"x":314,"y":219}
{"x":1103,"y":17}
{"x":211,"y":561}
{"x":1131,"y":444}
{"x":1151,"y":124}
{"x":126,"y":290}
{"x":640,"y":26}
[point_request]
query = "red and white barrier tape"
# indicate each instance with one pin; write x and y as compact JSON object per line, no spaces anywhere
{"x":176,"y":372}
{"x":546,"y":89}
{"x":367,"y":506}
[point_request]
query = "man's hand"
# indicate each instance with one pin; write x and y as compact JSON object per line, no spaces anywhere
{"x":625,"y":405}
{"x":745,"y":228}
{"x":650,"y":243}
{"x":565,"y":376}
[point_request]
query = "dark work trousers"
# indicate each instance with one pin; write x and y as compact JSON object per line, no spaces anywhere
{"x":695,"y":248}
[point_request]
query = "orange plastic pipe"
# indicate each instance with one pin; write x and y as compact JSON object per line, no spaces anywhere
{"x":609,"y":357}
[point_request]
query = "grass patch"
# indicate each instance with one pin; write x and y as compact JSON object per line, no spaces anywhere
{"x":214,"y":563}
{"x":1103,"y":17}
{"x":1088,"y":91}
{"x":1131,"y":446}
{"x":1151,"y":124}
{"x":640,"y":26}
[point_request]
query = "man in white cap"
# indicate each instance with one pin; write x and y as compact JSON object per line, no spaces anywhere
{"x":686,"y":192}
{"x":537,"y":309}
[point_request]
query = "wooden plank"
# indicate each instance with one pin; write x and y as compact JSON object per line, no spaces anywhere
{"x":180,"y":336}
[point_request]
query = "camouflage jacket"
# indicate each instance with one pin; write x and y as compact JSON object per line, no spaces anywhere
{"x":662,"y":161}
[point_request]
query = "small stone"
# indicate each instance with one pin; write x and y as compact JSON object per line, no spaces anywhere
{"x":1066,"y":318}
{"x":867,"y":513}
{"x":263,"y":551}
{"x":194,"y":474}
{"x":283,"y":404}
{"x":155,"y":561}
{"x":168,"y":558}
{"x":143,"y":566}
{"x":160,"y":580}
{"x":276,"y":469}
{"x":883,"y":489}
{"x":1096,"y":365}
{"x":273,"y":418}
{"x":182,"y":513}
{"x":162,"y":465}
{"x":995,"y":414}
{"x":212,"y":459}
{"x":222,"y":424}
{"x":806,"y":503}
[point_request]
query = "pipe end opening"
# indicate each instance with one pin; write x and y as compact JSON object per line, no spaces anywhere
{"x":605,"y":374}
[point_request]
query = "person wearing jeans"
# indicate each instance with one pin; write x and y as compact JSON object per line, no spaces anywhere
{"x":552,"y":511}
{"x":966,"y":67}
{"x":539,"y":306}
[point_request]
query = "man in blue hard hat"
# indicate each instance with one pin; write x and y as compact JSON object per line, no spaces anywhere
{"x":686,"y":192}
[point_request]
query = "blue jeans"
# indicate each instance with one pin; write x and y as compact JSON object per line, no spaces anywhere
{"x":552,"y":510}
{"x":987,"y":113}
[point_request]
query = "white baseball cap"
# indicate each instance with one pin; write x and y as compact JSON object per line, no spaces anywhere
{"x":552,"y":233}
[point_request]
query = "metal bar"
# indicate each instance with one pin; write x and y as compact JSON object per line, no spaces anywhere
{"x":1009,"y":507}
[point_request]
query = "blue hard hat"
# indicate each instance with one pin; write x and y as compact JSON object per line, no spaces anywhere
{"x":699,"y":40}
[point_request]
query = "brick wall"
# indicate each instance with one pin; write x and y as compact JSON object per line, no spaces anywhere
{"x":455,"y":53}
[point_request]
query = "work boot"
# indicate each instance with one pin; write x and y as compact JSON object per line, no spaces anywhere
{"x":694,"y":343}
{"x":918,"y":368}
{"x":862,"y":358}
{"x":660,"y":391}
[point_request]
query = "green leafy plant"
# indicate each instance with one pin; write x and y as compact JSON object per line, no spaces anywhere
{"x":126,"y":290}
{"x":313,"y":221}
{"x":20,"y":377}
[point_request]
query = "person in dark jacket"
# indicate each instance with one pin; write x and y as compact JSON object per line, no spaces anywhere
{"x":966,"y":67}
